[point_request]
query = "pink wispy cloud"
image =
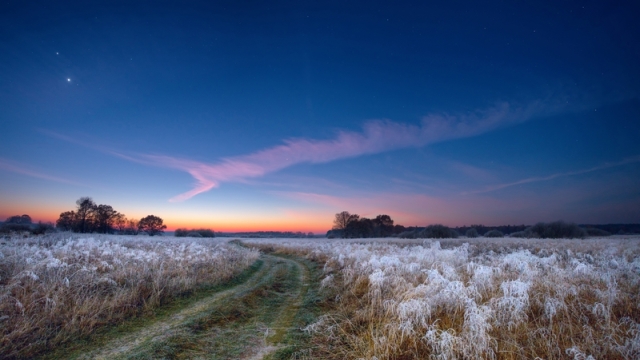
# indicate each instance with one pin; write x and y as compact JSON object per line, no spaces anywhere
{"x":17,"y":168}
{"x":376,"y":136}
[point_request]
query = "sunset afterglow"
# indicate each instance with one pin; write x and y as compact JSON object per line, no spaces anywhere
{"x":275,"y":117}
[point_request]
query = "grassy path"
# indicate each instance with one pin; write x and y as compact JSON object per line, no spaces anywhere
{"x":258,"y":317}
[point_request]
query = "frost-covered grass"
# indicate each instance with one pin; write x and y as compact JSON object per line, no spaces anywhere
{"x":476,"y":299}
{"x":59,"y":287}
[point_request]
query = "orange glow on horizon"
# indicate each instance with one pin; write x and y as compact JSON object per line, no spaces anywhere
{"x":37,"y":214}
{"x":317,"y":217}
{"x":249,"y":224}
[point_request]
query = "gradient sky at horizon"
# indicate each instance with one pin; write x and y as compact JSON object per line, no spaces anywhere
{"x":277,"y":115}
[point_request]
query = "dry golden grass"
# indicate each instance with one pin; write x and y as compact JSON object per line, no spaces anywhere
{"x":61,"y":287}
{"x":477,"y":299}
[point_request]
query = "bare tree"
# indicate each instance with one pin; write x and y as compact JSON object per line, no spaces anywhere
{"x":84,"y":213}
{"x":67,"y":221}
{"x":120,"y":222}
{"x":343,"y":219}
{"x":131,"y":227}
{"x":104,"y":218}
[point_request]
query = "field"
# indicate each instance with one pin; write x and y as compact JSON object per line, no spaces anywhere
{"x":62,"y":286}
{"x":139,"y":297}
{"x":476,"y":298}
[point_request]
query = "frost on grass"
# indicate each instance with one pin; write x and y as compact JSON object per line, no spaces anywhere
{"x":487,"y":299}
{"x":60,"y":287}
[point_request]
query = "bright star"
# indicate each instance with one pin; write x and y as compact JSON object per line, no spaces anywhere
{"x":68,"y":80}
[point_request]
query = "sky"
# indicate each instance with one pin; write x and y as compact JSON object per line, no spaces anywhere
{"x":246,"y":116}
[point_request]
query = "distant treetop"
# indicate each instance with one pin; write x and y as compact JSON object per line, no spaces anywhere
{"x":19,"y":219}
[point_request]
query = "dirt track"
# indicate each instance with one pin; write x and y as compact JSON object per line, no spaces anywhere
{"x":247,"y":321}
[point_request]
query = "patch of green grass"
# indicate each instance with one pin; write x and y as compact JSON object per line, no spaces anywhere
{"x":297,"y":341}
{"x":169,"y":349}
{"x":230,"y":328}
{"x":233,"y":326}
{"x":225,"y":343}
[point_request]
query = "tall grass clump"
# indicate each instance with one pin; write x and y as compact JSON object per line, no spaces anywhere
{"x":496,"y":299}
{"x":59,"y":287}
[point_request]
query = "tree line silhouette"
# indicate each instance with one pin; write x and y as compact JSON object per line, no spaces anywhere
{"x":206,"y":233}
{"x":23,"y":223}
{"x":88,"y":217}
{"x":347,"y":225}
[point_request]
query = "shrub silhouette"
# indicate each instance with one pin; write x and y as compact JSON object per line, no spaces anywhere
{"x":23,"y":224}
{"x":207,"y":233}
{"x":597,"y":232}
{"x":494,"y":234}
{"x":17,"y":223}
{"x":7,"y":228}
{"x":438,"y":231}
{"x":557,"y":230}
{"x":19,"y":219}
{"x":43,"y":228}
{"x":472,"y":233}
{"x":409,"y":234}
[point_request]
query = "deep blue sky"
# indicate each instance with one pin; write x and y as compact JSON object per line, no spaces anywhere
{"x":276,"y":115}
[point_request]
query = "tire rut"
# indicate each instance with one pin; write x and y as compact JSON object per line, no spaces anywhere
{"x":286,"y":315}
{"x":170,"y":325}
{"x":291,"y":308}
{"x":277,"y":309}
